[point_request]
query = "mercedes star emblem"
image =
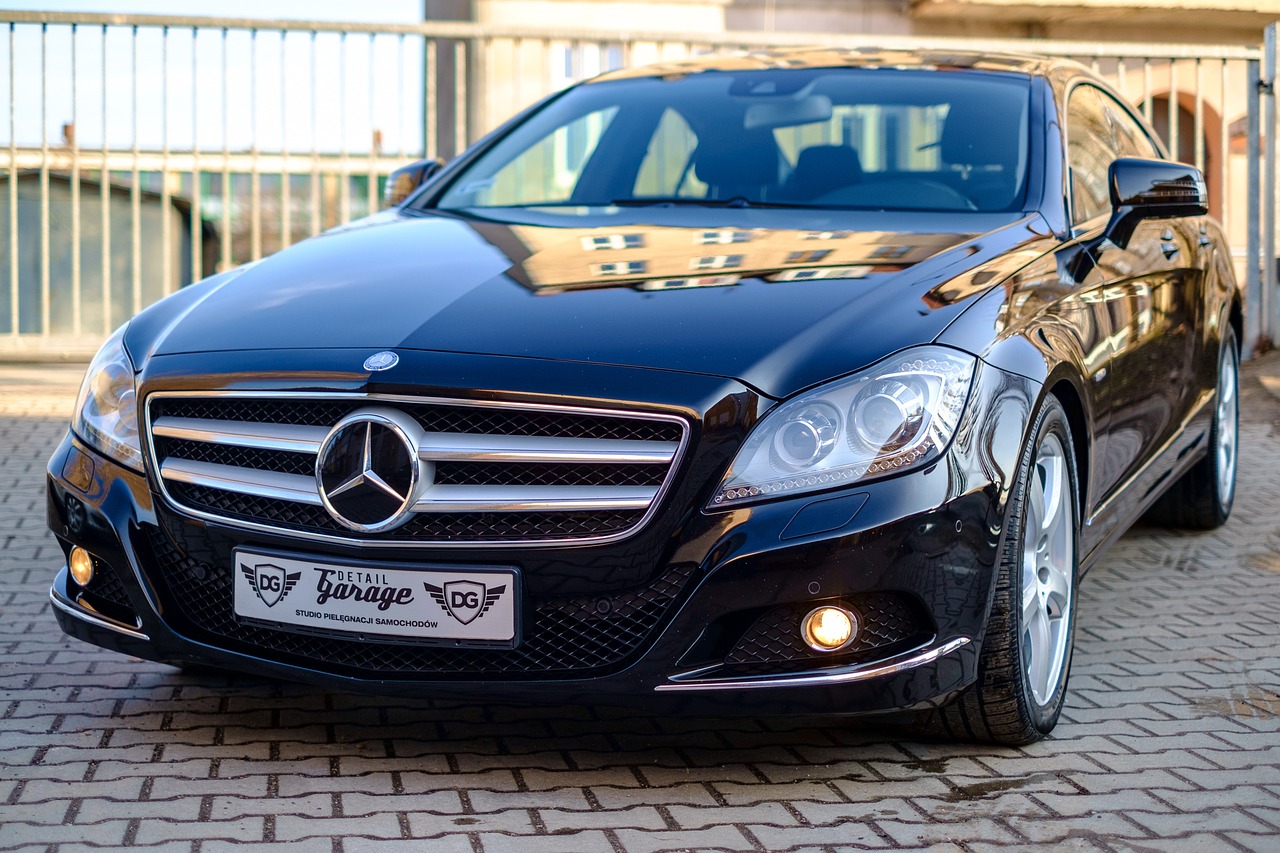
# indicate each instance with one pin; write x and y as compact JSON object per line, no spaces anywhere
{"x":367,"y":470}
{"x":384,"y":360}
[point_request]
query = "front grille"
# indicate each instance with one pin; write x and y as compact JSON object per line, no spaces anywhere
{"x":498,"y":474}
{"x":886,"y":620}
{"x":578,"y":636}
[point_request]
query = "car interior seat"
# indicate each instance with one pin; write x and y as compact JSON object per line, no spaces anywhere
{"x":821,"y":169}
{"x":987,"y":160}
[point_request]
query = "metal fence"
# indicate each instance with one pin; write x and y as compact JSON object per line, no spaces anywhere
{"x":144,"y":151}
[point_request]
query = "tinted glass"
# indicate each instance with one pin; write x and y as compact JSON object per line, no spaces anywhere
{"x":1128,"y":137}
{"x":823,"y":138}
{"x":1090,"y":153}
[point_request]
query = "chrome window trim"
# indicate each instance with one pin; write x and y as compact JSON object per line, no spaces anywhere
{"x":677,"y":458}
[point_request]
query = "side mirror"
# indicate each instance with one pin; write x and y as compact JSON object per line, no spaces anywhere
{"x":1152,"y":189}
{"x":403,"y":181}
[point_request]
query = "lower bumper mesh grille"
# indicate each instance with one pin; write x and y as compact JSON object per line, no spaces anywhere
{"x":886,"y":620}
{"x":570,"y":637}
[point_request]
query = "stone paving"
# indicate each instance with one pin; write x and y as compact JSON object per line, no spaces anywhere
{"x":1170,"y":741}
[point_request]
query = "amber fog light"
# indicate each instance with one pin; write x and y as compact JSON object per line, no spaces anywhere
{"x":81,"y":566}
{"x":829,"y":629}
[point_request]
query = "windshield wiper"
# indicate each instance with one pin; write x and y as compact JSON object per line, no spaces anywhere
{"x":736,"y":201}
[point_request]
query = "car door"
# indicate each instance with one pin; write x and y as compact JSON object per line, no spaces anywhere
{"x":1141,"y":393}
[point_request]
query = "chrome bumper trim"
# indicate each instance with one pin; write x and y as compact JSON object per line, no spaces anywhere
{"x":70,"y":608}
{"x":839,"y":676}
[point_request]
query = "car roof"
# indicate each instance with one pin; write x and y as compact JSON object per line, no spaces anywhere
{"x":852,"y":57}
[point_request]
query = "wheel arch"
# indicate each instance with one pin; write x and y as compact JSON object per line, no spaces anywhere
{"x":1069,"y":398}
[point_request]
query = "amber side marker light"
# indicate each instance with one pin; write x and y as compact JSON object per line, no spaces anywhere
{"x":829,"y":629}
{"x":81,"y":566}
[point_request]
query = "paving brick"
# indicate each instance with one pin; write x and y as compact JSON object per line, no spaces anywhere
{"x":713,"y":838}
{"x":1170,"y":740}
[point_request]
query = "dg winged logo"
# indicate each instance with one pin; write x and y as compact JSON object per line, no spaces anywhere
{"x":465,"y":601}
{"x":271,"y":583}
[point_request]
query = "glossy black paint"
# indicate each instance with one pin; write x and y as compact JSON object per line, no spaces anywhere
{"x":1126,"y":337}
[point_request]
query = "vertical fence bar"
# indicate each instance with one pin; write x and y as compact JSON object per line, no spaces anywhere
{"x":105,"y":190}
{"x":1175,"y":112}
{"x":431,"y":127}
{"x":1148,"y":108}
{"x":135,"y":188}
{"x":45,"y":307}
{"x":286,"y":191}
{"x":1255,"y":327}
{"x":13,"y":195}
{"x":255,"y":177}
{"x":226,"y":163}
{"x":478,"y":87}
{"x":197,"y":179}
{"x":344,"y":189}
{"x":375,"y":144}
{"x":1224,"y":158}
{"x":315,"y":151}
{"x":1199,"y":116}
{"x":460,"y":111}
{"x":401,"y":111}
{"x":1271,"y":298}
{"x":76,"y":295}
{"x":166,"y":203}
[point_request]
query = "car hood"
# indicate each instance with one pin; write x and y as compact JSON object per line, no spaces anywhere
{"x":779,"y":300}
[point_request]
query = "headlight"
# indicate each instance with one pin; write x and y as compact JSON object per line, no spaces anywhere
{"x":897,"y":415}
{"x":106,"y":414}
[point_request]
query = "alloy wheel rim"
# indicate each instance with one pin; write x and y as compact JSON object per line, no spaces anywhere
{"x":1048,"y":560}
{"x":1228,"y":427}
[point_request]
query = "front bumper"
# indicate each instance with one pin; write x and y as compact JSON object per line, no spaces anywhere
{"x":928,"y":540}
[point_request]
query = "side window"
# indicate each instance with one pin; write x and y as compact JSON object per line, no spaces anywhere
{"x":1128,"y":136}
{"x":665,"y":170}
{"x":1090,"y":152}
{"x":548,"y":170}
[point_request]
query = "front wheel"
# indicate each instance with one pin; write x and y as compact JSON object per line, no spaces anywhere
{"x":1026,"y":653}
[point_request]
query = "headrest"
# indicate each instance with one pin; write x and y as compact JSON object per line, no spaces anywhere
{"x":747,"y":160}
{"x":983,"y":133}
{"x":822,"y":168}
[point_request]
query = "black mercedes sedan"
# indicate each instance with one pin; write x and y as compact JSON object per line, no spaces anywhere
{"x":803,"y":381}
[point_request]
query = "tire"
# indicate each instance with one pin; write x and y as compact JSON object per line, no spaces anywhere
{"x":1026,"y":652}
{"x":1202,"y":498}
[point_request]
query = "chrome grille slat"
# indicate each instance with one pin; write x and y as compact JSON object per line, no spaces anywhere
{"x":244,"y":481}
{"x":295,"y":437}
{"x":506,"y":462}
{"x":441,"y":446}
{"x":295,"y":487}
{"x":533,"y":498}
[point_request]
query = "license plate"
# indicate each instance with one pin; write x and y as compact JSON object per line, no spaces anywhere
{"x":428,"y":603}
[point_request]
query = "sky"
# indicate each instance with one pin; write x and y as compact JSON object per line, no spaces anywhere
{"x":296,"y":91}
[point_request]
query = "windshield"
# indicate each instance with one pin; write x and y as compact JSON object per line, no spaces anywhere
{"x":869,"y":139}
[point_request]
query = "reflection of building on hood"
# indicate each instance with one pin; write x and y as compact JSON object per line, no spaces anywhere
{"x":659,"y":258}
